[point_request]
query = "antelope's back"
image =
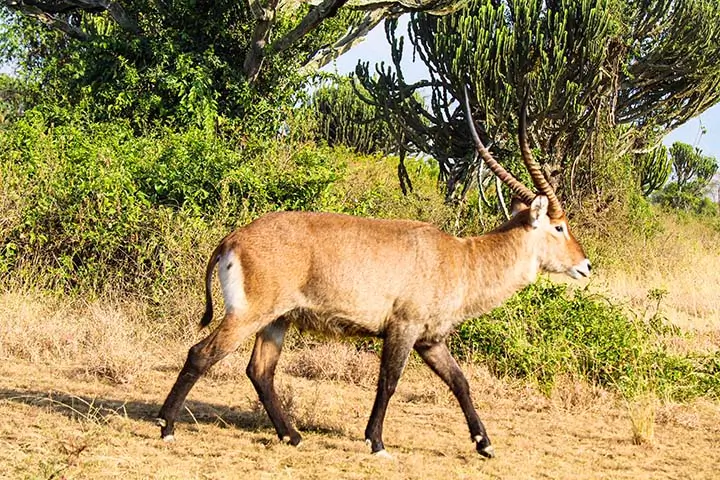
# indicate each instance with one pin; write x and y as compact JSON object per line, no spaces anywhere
{"x":342,"y":267}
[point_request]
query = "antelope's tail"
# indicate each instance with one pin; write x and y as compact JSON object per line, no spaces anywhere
{"x":208,"y":315}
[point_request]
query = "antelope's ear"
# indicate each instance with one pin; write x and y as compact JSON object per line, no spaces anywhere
{"x":517,"y":206}
{"x":538,"y":210}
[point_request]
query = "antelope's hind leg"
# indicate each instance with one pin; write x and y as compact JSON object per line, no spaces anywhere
{"x":225,"y":339}
{"x":261,"y":371}
{"x":438,"y":358}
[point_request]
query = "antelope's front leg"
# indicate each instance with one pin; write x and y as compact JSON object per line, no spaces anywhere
{"x":395,"y":353}
{"x":437,"y":356}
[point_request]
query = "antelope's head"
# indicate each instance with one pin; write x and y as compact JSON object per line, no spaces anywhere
{"x":542,"y":213}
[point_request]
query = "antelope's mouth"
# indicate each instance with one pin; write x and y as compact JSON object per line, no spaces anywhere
{"x":581,"y":270}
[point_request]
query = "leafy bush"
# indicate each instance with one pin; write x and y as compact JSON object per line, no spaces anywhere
{"x":93,"y":206}
{"x":544,"y":331}
{"x":78,"y":210}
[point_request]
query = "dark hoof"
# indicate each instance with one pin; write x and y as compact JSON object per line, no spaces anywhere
{"x":293,"y":439}
{"x":483,"y":447}
{"x":376,"y":447}
{"x":166,"y":431}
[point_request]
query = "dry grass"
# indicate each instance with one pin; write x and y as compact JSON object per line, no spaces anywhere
{"x":106,"y":339}
{"x":573,"y":394}
{"x":58,"y":424}
{"x":642,"y":411}
{"x":333,"y":360}
{"x":683,"y":260}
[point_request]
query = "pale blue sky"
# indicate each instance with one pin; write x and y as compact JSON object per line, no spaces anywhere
{"x":375,"y":49}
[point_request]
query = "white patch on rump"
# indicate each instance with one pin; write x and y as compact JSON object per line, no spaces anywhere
{"x":231,"y":279}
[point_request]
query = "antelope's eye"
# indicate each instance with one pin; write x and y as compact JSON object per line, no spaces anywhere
{"x":559,"y":228}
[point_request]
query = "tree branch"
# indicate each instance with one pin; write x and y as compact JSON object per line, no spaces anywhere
{"x":51,"y":21}
{"x":47,"y":13}
{"x":355,"y":36}
{"x":327,"y":9}
{"x":254,"y":57}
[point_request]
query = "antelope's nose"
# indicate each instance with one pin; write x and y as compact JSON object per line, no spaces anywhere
{"x":584,"y":268}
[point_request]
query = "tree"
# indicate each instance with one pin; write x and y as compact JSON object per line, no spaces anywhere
{"x":276,"y":26}
{"x":344,"y":119}
{"x":594,"y":71}
{"x":690,"y":166}
{"x":182,"y":70}
{"x":692,"y":174}
{"x":653,"y":169}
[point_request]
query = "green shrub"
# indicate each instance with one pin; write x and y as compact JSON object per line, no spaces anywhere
{"x":79,"y":213}
{"x":88,"y":207}
{"x":544,"y":331}
{"x":284,"y":177}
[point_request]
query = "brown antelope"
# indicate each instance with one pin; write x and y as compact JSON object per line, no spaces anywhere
{"x":404,"y":281}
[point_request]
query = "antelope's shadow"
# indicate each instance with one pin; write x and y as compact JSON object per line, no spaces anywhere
{"x":101,"y":410}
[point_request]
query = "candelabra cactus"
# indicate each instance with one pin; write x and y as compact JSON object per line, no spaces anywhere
{"x":653,"y":169}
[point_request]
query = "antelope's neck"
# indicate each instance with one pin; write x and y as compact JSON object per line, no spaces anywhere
{"x":499,"y":264}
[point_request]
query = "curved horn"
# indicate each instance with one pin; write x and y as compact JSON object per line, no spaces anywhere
{"x":554,"y":208}
{"x":524,"y":193}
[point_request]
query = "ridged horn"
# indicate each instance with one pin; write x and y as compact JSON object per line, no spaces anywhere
{"x":555,"y":209}
{"x":522,"y":192}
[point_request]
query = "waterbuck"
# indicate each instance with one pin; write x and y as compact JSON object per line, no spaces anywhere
{"x":403,"y":281}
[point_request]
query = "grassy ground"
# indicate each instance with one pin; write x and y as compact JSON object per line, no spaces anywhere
{"x":58,"y":423}
{"x":81,"y":381}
